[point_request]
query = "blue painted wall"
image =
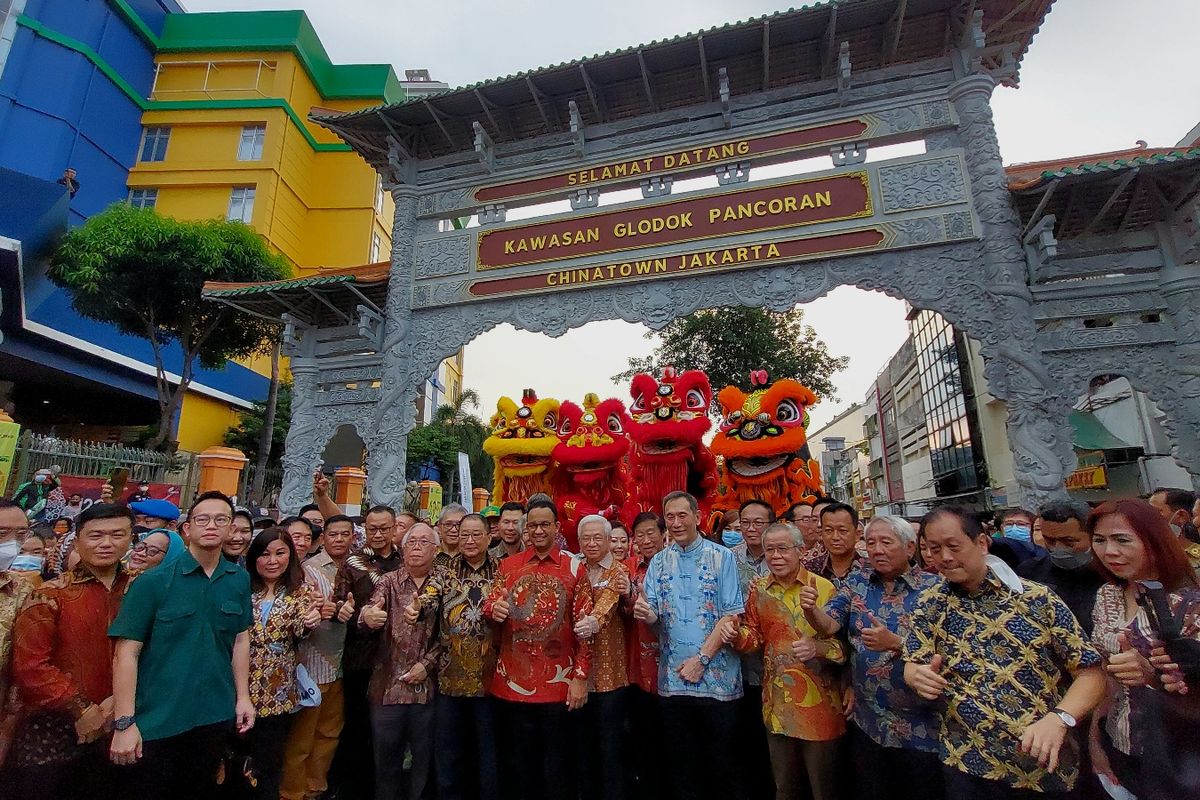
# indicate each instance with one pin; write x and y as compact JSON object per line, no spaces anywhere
{"x":58,"y":110}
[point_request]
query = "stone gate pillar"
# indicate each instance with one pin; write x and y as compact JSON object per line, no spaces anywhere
{"x":396,"y":413}
{"x":303,"y":447}
{"x":1179,"y":396}
{"x":1039,"y":432}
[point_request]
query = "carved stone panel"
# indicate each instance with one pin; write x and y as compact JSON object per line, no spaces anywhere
{"x":922,"y":184}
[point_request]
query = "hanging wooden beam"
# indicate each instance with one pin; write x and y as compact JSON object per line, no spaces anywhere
{"x":891,"y":32}
{"x":1112,"y":198}
{"x":646,"y":81}
{"x":766,"y":58}
{"x":595,"y":95}
{"x":487,"y":110}
{"x":437,"y":117}
{"x":551,"y":127}
{"x":704,"y":68}
{"x":1017,"y":9}
{"x":1041,"y":206}
{"x":1138,"y":188}
{"x":829,"y":47}
{"x":342,"y":315}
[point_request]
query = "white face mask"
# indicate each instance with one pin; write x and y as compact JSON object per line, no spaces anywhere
{"x":8,"y":551}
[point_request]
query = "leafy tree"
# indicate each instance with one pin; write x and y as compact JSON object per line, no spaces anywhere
{"x":451,"y":431}
{"x":247,"y":435}
{"x":728,"y":343}
{"x":143,"y":273}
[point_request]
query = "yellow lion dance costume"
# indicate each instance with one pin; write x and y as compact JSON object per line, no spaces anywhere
{"x":522,"y":447}
{"x":764,"y":444}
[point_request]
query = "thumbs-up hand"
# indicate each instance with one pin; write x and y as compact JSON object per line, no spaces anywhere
{"x":621,"y":585}
{"x":328,"y":608}
{"x":808,"y":595}
{"x":1128,"y":666}
{"x":373,"y":617}
{"x":412,"y":613}
{"x":312,"y":615}
{"x":346,"y":610}
{"x":501,"y":609}
{"x":877,"y":637}
{"x":642,"y":611}
{"x":804,"y":648}
{"x":926,"y":679}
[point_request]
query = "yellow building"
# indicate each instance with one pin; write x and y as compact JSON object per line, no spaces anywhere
{"x":225,"y":135}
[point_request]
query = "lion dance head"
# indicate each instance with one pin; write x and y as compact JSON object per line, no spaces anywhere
{"x":522,"y":446}
{"x":763,"y":441}
{"x":669,"y":419}
{"x":590,"y":463}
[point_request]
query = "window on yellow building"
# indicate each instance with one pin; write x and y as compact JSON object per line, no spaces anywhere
{"x":241,"y":204}
{"x":250,"y":148}
{"x":154,"y":144}
{"x":143,"y":198}
{"x":376,"y":246}
{"x":378,"y":194}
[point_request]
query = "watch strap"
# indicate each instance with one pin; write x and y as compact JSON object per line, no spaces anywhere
{"x":123,"y":723}
{"x":1066,"y":717}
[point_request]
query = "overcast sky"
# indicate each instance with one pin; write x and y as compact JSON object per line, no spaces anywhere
{"x":1101,"y":75}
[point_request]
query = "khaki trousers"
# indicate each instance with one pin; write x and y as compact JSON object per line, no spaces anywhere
{"x":311,"y":745}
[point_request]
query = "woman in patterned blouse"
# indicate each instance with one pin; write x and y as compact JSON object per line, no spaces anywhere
{"x":284,"y":613}
{"x":1136,"y":551}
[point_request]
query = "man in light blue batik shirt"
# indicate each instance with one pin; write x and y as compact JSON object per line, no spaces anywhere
{"x":691,"y":592}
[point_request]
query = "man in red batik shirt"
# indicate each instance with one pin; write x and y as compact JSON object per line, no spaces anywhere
{"x":538,"y":597}
{"x":62,"y":667}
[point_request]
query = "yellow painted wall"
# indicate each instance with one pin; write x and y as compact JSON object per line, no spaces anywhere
{"x":206,"y":422}
{"x":315,"y":208}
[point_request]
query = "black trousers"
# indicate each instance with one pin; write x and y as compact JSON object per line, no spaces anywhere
{"x":539,"y":750}
{"x":181,"y":767}
{"x":265,"y":744}
{"x":89,"y":775}
{"x":466,"y":734}
{"x":394,"y":729}
{"x":600,"y":726}
{"x":648,"y":739}
{"x":353,"y":770}
{"x":700,"y":735}
{"x":893,"y":772}
{"x":755,"y":771}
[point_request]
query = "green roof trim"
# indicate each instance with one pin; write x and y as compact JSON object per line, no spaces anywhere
{"x":263,"y":288}
{"x":284,"y":31}
{"x":1089,"y":433}
{"x":1182,"y":154}
{"x":178,"y":105}
{"x":136,"y":22}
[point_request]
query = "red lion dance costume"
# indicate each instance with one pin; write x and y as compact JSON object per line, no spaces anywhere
{"x":669,"y":420}
{"x":522,"y":445}
{"x":590,"y":459}
{"x":763,"y":442}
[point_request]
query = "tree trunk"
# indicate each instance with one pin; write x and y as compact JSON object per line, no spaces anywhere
{"x":267,"y":436}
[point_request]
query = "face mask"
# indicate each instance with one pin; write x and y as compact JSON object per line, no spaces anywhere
{"x":731,"y":538}
{"x":27,"y":563}
{"x":1019,"y":532}
{"x":39,"y":478}
{"x":8,"y":551}
{"x":1177,"y":529}
{"x":1070,"y":559}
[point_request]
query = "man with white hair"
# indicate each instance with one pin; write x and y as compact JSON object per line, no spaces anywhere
{"x":449,"y":524}
{"x":601,"y":726}
{"x":894,"y":737}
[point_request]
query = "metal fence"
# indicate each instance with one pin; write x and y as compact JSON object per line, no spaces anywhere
{"x":97,"y":459}
{"x":272,"y":484}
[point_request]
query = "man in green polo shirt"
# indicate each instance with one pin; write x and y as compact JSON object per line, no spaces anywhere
{"x":182,"y":662}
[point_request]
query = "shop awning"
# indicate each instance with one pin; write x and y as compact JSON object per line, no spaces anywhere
{"x":1089,"y":433}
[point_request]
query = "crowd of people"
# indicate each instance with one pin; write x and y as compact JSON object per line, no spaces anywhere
{"x":145,"y":654}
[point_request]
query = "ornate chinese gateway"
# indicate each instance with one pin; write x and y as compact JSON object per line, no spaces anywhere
{"x":1060,"y":278}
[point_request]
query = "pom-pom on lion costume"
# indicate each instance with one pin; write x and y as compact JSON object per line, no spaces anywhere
{"x":763,"y":442}
{"x":522,"y":447}
{"x":590,"y":463}
{"x":669,"y":419}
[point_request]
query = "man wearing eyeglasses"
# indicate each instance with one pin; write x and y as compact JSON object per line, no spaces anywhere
{"x":62,"y":666}
{"x":448,"y":527}
{"x":182,"y":663}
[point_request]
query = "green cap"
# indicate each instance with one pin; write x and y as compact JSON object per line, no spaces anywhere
{"x":490,"y":511}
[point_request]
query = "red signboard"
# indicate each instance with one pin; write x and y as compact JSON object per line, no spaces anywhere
{"x":654,"y":267}
{"x":678,"y":162}
{"x":766,"y":208}
{"x":89,"y":489}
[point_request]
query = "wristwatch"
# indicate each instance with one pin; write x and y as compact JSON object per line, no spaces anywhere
{"x":1066,"y":718}
{"x":123,"y":723}
{"x":705,"y":660}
